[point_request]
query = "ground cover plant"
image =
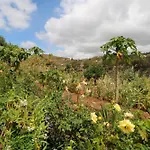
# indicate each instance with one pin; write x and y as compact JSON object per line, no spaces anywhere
{"x":50,"y":106}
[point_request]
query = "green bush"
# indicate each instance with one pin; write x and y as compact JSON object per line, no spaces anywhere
{"x":94,"y":72}
{"x":135,"y":93}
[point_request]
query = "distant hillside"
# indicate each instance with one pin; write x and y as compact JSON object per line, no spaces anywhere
{"x":46,"y":62}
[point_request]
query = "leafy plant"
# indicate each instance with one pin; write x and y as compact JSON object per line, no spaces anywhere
{"x":115,"y":50}
{"x":94,"y":72}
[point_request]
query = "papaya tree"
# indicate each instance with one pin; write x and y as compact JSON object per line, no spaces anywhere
{"x":117,"y":49}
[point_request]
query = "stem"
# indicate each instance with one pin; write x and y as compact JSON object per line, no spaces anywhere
{"x":78,"y":95}
{"x":116,"y":82}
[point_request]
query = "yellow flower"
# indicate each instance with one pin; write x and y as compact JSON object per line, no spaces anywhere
{"x":94,"y":117}
{"x":128,"y":115}
{"x":126,"y":126}
{"x":113,"y":101}
{"x":79,"y":87}
{"x":117,"y":107}
{"x":143,"y":134}
{"x":99,"y":118}
{"x":119,"y":55}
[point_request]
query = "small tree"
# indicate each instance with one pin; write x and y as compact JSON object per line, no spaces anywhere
{"x":36,"y":50}
{"x":116,"y":49}
{"x":13,"y":55}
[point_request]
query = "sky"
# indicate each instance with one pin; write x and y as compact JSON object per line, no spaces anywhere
{"x":74,"y":28}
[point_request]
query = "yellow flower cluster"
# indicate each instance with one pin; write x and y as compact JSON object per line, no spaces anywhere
{"x":125,"y":125}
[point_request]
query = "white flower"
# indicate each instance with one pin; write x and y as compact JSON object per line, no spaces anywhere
{"x":128,"y":115}
{"x":82,"y":95}
{"x":30,"y":129}
{"x":23,"y":103}
{"x":88,"y":91}
{"x":84,"y":83}
{"x":66,"y":89}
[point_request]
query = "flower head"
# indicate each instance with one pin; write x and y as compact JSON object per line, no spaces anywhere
{"x":128,"y":115}
{"x":106,"y":124}
{"x":119,"y":55}
{"x":79,"y":87}
{"x":117,"y":107}
{"x":88,"y":91}
{"x":23,"y":103}
{"x":82,"y":95}
{"x":99,"y":118}
{"x":94,"y":117}
{"x":66,"y":89}
{"x":126,"y":126}
{"x":84,"y":82}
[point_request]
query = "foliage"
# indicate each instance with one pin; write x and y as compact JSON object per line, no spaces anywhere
{"x":2,"y":41}
{"x":52,"y":79}
{"x":94,"y":72}
{"x":13,"y":55}
{"x":22,"y":120}
{"x":116,"y":49}
{"x":135,"y":93}
{"x":36,"y":50}
{"x":37,"y":112}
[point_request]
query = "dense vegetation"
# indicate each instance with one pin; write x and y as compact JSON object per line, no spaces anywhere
{"x":49,"y":103}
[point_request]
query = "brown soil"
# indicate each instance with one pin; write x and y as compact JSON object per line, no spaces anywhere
{"x":90,"y":102}
{"x":94,"y":103}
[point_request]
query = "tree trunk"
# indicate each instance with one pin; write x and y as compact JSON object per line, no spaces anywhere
{"x":95,"y":81}
{"x":116,"y":82}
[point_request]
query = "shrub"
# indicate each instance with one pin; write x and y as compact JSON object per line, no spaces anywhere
{"x":94,"y":72}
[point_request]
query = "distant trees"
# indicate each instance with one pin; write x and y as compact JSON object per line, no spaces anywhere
{"x":2,"y":41}
{"x":36,"y":50}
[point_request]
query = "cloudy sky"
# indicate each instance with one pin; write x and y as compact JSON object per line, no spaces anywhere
{"x":74,"y":28}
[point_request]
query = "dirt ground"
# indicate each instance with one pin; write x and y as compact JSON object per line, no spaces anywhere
{"x":94,"y":103}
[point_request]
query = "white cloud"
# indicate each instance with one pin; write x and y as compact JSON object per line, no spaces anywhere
{"x":27,"y":44}
{"x":84,"y":25}
{"x":16,"y":13}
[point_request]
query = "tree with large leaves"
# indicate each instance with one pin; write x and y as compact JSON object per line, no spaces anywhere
{"x":13,"y":55}
{"x":36,"y":50}
{"x":119,"y":48}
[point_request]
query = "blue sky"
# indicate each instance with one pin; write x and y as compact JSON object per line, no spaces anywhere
{"x":45,"y":10}
{"x":74,"y":28}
